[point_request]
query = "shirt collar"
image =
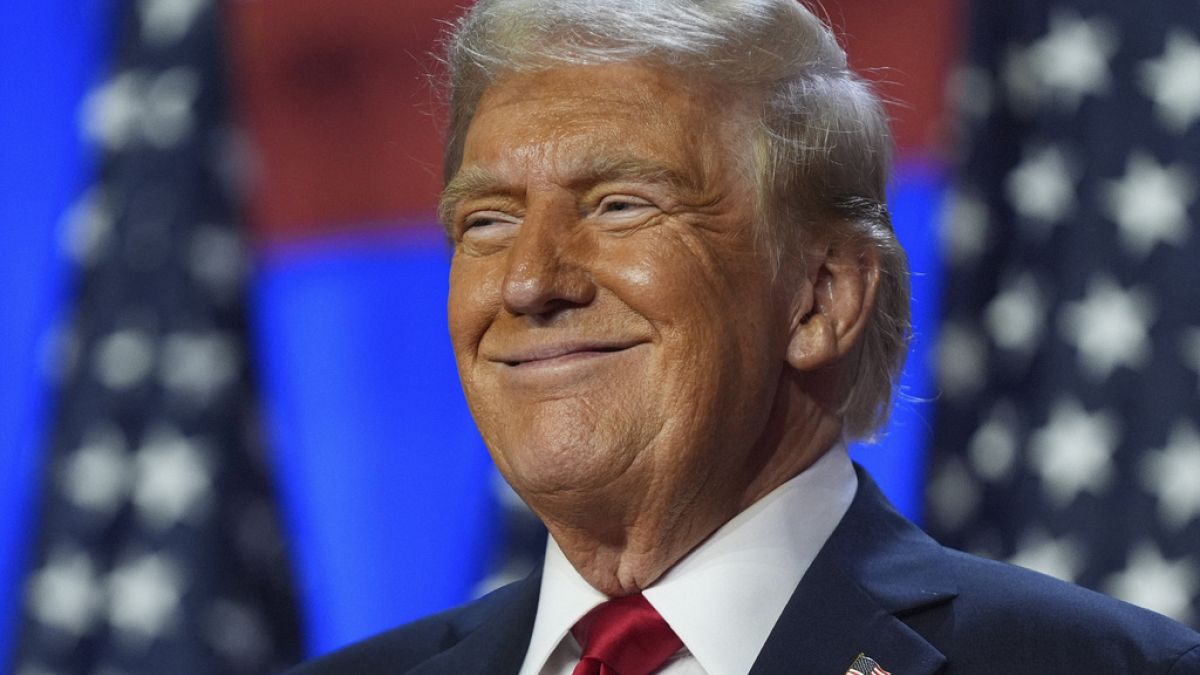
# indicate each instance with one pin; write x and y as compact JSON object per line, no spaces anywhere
{"x":563,"y":600}
{"x":723,"y":598}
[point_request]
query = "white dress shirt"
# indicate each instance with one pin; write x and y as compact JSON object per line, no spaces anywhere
{"x":724,"y":597}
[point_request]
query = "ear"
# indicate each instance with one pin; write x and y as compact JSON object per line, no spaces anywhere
{"x":832,"y":304}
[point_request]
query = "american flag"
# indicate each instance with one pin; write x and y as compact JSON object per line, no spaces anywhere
{"x":865,"y":665}
{"x":158,"y":549}
{"x":1068,"y":434}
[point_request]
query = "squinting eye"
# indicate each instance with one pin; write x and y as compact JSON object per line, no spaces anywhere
{"x":486,"y":219}
{"x":620,"y":204}
{"x":488,"y":227}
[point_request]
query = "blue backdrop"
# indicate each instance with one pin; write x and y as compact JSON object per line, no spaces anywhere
{"x":50,"y":51}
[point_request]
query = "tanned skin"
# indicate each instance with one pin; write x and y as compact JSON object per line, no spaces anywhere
{"x":637,"y":371}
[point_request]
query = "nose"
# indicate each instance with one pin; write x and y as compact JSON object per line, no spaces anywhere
{"x":546,"y":271}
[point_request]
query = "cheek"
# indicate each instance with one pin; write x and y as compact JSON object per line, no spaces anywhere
{"x":711,"y":305}
{"x":671,"y":287}
{"x":473,"y":302}
{"x":681,"y":281}
{"x":658,"y":277}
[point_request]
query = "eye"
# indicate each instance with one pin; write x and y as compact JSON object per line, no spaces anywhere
{"x":621,"y":205}
{"x":488,"y":226}
{"x":485,"y":219}
{"x":482,"y":219}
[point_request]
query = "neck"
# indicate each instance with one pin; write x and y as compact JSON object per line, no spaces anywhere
{"x":623,"y":541}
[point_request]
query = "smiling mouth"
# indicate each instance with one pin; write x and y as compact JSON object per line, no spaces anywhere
{"x":563,"y":355}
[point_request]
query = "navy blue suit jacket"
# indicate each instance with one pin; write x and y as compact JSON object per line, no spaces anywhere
{"x":880,"y":586}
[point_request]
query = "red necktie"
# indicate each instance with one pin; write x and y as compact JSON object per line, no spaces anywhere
{"x":624,"y":636}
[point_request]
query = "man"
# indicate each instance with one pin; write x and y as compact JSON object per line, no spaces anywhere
{"x":675,"y":294}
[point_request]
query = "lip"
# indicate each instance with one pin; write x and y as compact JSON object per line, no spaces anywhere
{"x":564,"y":366}
{"x":560,"y":352}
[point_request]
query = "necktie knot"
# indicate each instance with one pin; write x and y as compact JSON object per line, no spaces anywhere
{"x":624,"y":636}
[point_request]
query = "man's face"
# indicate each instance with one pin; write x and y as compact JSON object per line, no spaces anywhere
{"x":616,"y":329}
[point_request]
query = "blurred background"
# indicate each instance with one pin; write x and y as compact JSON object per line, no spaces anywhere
{"x":231,"y":434}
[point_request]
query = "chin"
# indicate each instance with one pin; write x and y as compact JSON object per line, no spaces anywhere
{"x":568,"y":459}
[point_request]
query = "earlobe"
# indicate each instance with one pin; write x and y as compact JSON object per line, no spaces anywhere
{"x":832,"y":305}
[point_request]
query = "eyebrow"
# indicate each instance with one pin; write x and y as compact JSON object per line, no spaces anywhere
{"x":470,"y":182}
{"x":478,"y":181}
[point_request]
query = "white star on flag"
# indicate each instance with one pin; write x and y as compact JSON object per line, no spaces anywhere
{"x":1173,"y":81}
{"x":138,"y":105}
{"x":87,"y":227}
{"x":1171,"y":474}
{"x":964,"y":226}
{"x":65,"y":593}
{"x":1067,"y":64}
{"x":953,"y":493}
{"x":96,"y":477}
{"x":1073,"y":452}
{"x":144,"y":596}
{"x":1015,"y":316}
{"x":167,"y":118}
{"x":166,"y":21}
{"x":962,"y":356}
{"x":217,"y":260}
{"x":1109,"y":327}
{"x":1150,"y":203}
{"x":1042,"y":186}
{"x":993,"y":447}
{"x":111,"y":112}
{"x":1151,"y":581}
{"x":198,"y":365}
{"x":173,"y":478}
{"x":1061,"y":558}
{"x":123,"y":358}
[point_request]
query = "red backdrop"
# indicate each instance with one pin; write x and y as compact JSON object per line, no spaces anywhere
{"x":337,"y":100}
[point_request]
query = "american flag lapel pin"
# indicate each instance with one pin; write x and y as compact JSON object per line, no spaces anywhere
{"x":865,"y":665}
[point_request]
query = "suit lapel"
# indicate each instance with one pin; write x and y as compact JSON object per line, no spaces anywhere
{"x":491,"y":642}
{"x":875,"y":568}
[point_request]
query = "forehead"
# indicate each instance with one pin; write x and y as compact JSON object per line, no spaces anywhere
{"x":548,"y":121}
